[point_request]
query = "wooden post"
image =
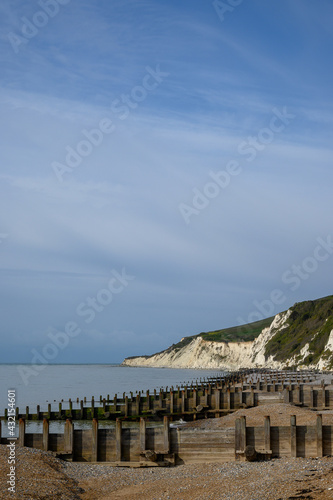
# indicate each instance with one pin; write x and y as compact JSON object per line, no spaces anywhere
{"x":252,"y":397}
{"x":92,"y":407}
{"x":228,"y":399}
{"x":286,"y":395}
{"x":171,"y":402}
{"x":240,"y":434}
{"x":293,"y":443}
{"x":70,"y":409}
{"x":166,"y":435}
{"x":267,"y":433}
{"x":194,"y":403}
{"x":38,"y":412}
{"x":323,"y":396}
{"x":142,"y":434}
{"x":126,"y":406}
{"x":68,"y":436}
{"x":298,"y":394}
{"x":81,"y":410}
{"x":115,"y":403}
{"x":118,"y":440}
{"x":205,"y":397}
{"x":45,"y":434}
{"x":27,"y":412}
{"x":319,"y":425}
{"x":94,"y":440}
{"x":148,"y":400}
{"x":240,"y":396}
{"x":60,"y":410}
{"x":49,"y":411}
{"x":311,"y":397}
{"x":160,"y":399}
{"x":217,"y":399}
{"x":183,"y":402}
{"x":137,"y":404}
{"x":21,"y":440}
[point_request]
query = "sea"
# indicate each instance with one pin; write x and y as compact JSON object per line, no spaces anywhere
{"x":59,"y":383}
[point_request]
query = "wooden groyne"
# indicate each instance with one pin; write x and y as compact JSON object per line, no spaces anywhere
{"x":143,"y":445}
{"x":160,"y":446}
{"x":215,"y":396}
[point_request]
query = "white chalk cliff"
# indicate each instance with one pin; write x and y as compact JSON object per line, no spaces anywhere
{"x":200,"y":353}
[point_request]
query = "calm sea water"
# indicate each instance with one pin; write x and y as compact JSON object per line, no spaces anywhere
{"x":61,"y":382}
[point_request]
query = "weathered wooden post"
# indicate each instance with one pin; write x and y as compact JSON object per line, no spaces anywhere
{"x":267,"y":434}
{"x":240,"y":435}
{"x":142,"y":434}
{"x":45,"y":434}
{"x":118,"y":439}
{"x":286,"y":395}
{"x":126,"y":406}
{"x":94,"y":440}
{"x":240,"y":395}
{"x":293,"y":440}
{"x":21,"y":440}
{"x":183,"y":402}
{"x":17,"y":412}
{"x":160,"y":399}
{"x":311,"y":397}
{"x":217,"y":401}
{"x":138,"y":398}
{"x":323,"y":396}
{"x":228,"y":399}
{"x":194,"y":398}
{"x":27,"y":412}
{"x":81,"y":410}
{"x":92,"y":407}
{"x":166,"y":435}
{"x":70,"y":409}
{"x":60,"y":410}
{"x":148,"y":400}
{"x":171,"y":402}
{"x":68,"y":436}
{"x":115,"y":403}
{"x":298,"y":394}
{"x":38,"y":412}
{"x":49,"y":411}
{"x":205,"y":397}
{"x":251,"y":397}
{"x":319,"y":425}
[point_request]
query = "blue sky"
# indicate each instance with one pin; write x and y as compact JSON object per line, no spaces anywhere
{"x":179,"y":92}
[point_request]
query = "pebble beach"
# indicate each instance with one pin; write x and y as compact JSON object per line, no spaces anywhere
{"x":40,"y":475}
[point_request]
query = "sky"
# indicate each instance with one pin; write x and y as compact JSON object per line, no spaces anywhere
{"x":166,"y":169}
